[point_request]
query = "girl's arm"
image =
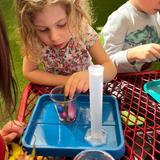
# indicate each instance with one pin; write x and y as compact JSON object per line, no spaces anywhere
{"x":79,"y":81}
{"x":35,"y":75}
{"x":99,"y":56}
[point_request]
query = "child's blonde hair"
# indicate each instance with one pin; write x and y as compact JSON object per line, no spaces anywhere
{"x":78,"y":12}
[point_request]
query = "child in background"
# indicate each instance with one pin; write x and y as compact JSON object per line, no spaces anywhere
{"x":132,"y":35}
{"x":58,"y":34}
{"x":8,"y":93}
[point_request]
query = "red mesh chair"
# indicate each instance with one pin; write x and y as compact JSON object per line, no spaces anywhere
{"x":141,"y":141}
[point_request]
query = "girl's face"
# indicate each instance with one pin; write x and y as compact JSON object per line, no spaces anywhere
{"x":51,"y":25}
{"x":147,"y":6}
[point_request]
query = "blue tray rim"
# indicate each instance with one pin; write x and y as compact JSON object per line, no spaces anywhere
{"x":120,"y":147}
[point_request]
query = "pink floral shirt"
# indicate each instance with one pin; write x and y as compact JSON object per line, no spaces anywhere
{"x":75,"y":57}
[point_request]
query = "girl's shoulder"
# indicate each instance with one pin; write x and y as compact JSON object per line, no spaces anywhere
{"x":90,"y":36}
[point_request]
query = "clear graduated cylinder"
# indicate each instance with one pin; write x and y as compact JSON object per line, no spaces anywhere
{"x":95,"y":134}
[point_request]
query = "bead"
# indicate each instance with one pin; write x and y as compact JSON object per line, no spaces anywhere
{"x":71,"y":111}
{"x":63,"y":115}
{"x":60,"y":109}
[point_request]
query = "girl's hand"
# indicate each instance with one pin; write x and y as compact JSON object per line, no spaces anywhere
{"x":78,"y":82}
{"x":11,"y":130}
{"x":144,"y":53}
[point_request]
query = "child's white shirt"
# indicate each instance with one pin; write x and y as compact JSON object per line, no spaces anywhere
{"x":126,"y":28}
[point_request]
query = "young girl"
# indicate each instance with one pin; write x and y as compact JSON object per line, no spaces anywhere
{"x":8,"y":92}
{"x":132,"y":35}
{"x":57,"y":33}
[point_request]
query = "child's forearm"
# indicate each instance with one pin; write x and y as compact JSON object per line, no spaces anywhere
{"x":45,"y":78}
{"x":110,"y":71}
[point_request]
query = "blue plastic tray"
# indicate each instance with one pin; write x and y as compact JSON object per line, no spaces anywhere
{"x":54,"y":138}
{"x":153,"y":89}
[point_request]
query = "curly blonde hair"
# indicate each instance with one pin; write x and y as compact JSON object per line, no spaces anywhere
{"x":78,"y":12}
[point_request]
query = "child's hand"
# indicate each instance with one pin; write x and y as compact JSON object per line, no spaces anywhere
{"x":78,"y":82}
{"x":12,"y":130}
{"x":144,"y":53}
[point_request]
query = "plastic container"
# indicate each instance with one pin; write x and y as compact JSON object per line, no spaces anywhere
{"x":93,"y":155}
{"x":64,"y":106}
{"x":153,"y":89}
{"x":51,"y":137}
